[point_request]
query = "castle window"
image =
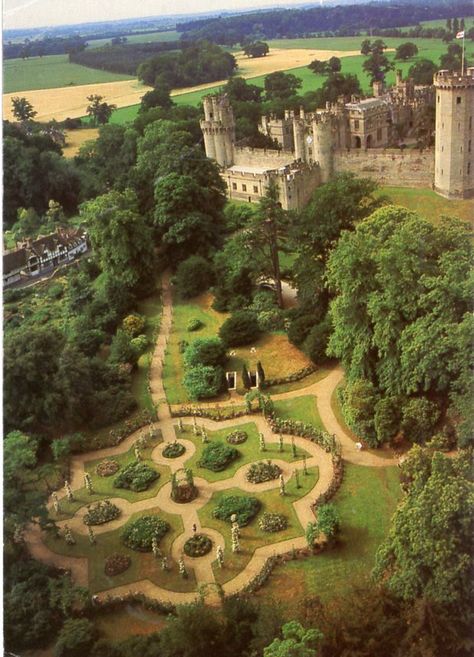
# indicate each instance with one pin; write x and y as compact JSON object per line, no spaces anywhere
{"x":439,"y":98}
{"x":234,"y":185}
{"x":255,"y":189}
{"x":310,"y":151}
{"x":379,"y":134}
{"x":356,"y":124}
{"x":244,"y":188}
{"x":458,"y":100}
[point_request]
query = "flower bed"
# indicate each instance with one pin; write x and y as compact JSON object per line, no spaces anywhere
{"x":262,"y":471}
{"x":174,"y":450}
{"x":216,"y":456}
{"x":272,"y":522}
{"x":101,"y":513}
{"x":140,"y":533}
{"x":245,"y":508}
{"x":295,"y":428}
{"x":216,"y":413}
{"x":198,"y":545}
{"x":107,"y":468}
{"x":116,"y":564}
{"x":237,"y":437}
{"x":136,"y":476}
{"x":115,"y":436}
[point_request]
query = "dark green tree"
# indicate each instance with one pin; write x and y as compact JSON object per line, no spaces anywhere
{"x":280,"y":85}
{"x":246,"y":382}
{"x":98,"y":110}
{"x":406,"y":50}
{"x":422,"y":71}
{"x":22,"y":109}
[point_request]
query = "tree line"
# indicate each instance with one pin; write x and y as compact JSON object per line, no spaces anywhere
{"x":121,"y":57}
{"x":42,"y":47}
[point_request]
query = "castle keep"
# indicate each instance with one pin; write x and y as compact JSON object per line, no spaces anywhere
{"x":356,"y":136}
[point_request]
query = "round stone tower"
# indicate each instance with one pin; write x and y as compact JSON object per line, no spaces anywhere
{"x":323,"y":144}
{"x":218,"y":129}
{"x":454,"y":166}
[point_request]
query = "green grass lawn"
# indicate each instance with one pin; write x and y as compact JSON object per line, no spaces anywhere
{"x":365,"y":502}
{"x":143,"y":566}
{"x":428,"y":204}
{"x":249,"y":451}
{"x":49,"y":72}
{"x":252,"y":536}
{"x":303,"y":409}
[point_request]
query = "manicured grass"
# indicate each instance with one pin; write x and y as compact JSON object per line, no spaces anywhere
{"x":365,"y":502}
{"x":143,"y":566}
{"x":321,"y":373}
{"x":252,"y":536}
{"x":249,"y":451}
{"x":428,"y":204}
{"x":51,"y":71}
{"x":303,"y":409}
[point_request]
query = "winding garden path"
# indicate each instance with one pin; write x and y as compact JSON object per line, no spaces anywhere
{"x":202,"y":567}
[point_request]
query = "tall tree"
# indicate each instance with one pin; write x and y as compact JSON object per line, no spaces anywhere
{"x":22,"y":109}
{"x":280,"y":85}
{"x":99,"y":110}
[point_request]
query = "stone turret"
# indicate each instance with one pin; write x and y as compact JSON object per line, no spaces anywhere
{"x":454,"y":166}
{"x":323,"y":144}
{"x":218,"y":129}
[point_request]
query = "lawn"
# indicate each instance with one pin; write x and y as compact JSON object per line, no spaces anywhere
{"x":143,"y":566}
{"x":365,"y":502}
{"x":50,"y":72}
{"x":252,"y":536}
{"x":249,"y":451}
{"x":428,"y":204}
{"x":277,"y":355}
{"x":303,"y":409}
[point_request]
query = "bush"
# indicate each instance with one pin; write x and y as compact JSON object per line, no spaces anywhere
{"x":140,"y":533}
{"x":328,"y":520}
{"x":299,"y":329}
{"x":387,"y":418}
{"x":272,"y":522}
{"x":419,"y":418}
{"x":262,"y":471}
{"x":194,"y":324}
{"x":239,"y":329}
{"x":237,"y":437}
{"x":204,"y":381}
{"x":216,"y":456}
{"x":173,"y":450}
{"x":136,"y":476}
{"x":75,"y":638}
{"x":139,"y":345}
{"x":359,"y":400}
{"x":133,"y":324}
{"x":193,"y":277}
{"x":317,"y":341}
{"x":102,"y":512}
{"x":245,"y":508}
{"x":115,"y":564}
{"x":198,"y":545}
{"x":107,"y":468}
{"x":205,"y":351}
{"x":121,"y":349}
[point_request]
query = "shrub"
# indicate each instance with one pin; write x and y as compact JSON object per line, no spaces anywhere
{"x":316,"y":343}
{"x":75,"y":638}
{"x":419,"y":418}
{"x":360,"y":398}
{"x":205,"y":351}
{"x":198,"y":545}
{"x":182,"y":345}
{"x":173,"y":450}
{"x":237,"y":437}
{"x":195,"y":324}
{"x":272,"y":522}
{"x":216,"y":456}
{"x":239,"y":329}
{"x":299,"y":329}
{"x":133,"y":324}
{"x":193,"y":277}
{"x":387,"y":418}
{"x":245,"y":508}
{"x":121,"y":350}
{"x":271,"y":320}
{"x":262,"y":471}
{"x":139,"y":345}
{"x":107,"y":468}
{"x":115,"y":564}
{"x":204,"y":381}
{"x":139,"y":534}
{"x":328,"y":520}
{"x":102,"y":512}
{"x":136,"y":476}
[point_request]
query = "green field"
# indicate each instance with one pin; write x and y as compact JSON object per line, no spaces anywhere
{"x":50,"y":72}
{"x":151,"y":37}
{"x":428,"y":204}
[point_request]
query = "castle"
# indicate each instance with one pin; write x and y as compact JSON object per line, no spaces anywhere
{"x":354,"y":136}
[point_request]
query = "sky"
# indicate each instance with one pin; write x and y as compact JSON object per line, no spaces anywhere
{"x":42,"y":13}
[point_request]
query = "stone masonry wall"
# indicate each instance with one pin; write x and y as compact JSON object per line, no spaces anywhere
{"x":408,"y":168}
{"x":262,"y":157}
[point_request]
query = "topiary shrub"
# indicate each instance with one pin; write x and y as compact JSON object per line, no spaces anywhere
{"x":198,"y":545}
{"x":272,"y":522}
{"x":173,"y":450}
{"x":245,"y":508}
{"x":216,"y":456}
{"x":100,"y":513}
{"x":134,"y":324}
{"x":107,"y":468}
{"x":115,"y":564}
{"x":205,"y":351}
{"x":136,"y":476}
{"x":237,"y":437}
{"x":193,"y":277}
{"x":204,"y":381}
{"x":139,"y":534}
{"x":195,"y":324}
{"x":262,"y":471}
{"x":239,"y":329}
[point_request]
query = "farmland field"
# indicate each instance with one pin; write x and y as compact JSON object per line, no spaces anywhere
{"x":76,"y":138}
{"x":151,"y":37}
{"x":50,"y":72}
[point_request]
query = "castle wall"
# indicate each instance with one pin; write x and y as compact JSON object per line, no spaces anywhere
{"x":262,"y":158}
{"x":408,"y":168}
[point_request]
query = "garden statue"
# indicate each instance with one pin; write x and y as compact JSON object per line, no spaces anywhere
{"x":220,"y":556}
{"x":138,"y":455}
{"x":235,"y":539}
{"x":55,"y":501}
{"x":90,"y":531}
{"x":88,"y":483}
{"x":182,"y":567}
{"x":164,"y":563}
{"x":204,"y":435}
{"x":69,"y":494}
{"x":154,"y":547}
{"x":280,"y":442}
{"x":180,"y":425}
{"x":282,"y":485}
{"x":68,"y":537}
{"x":262,"y":443}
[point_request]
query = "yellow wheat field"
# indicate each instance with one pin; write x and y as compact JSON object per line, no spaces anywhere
{"x":63,"y":102}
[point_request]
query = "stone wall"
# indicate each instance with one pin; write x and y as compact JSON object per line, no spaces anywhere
{"x":258,"y":157}
{"x":408,"y":168}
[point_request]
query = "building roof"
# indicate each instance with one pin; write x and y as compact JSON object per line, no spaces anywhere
{"x":14,"y":260}
{"x":368,"y":103}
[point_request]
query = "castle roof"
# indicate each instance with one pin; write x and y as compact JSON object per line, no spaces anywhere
{"x":367,"y":104}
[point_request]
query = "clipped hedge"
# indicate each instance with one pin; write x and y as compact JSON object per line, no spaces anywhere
{"x":136,"y":476}
{"x":245,"y":508}
{"x":216,"y":456}
{"x":291,"y":378}
{"x":139,"y":534}
{"x":173,"y":450}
